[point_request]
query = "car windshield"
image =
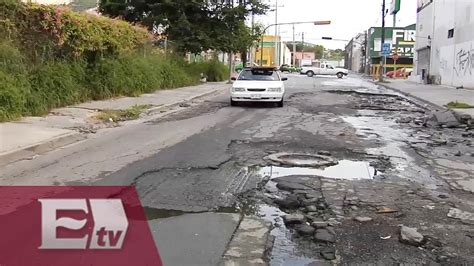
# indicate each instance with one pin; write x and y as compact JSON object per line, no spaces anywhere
{"x":259,"y":75}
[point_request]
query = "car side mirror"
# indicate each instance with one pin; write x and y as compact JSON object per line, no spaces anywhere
{"x":284,"y":79}
{"x":233,"y":78}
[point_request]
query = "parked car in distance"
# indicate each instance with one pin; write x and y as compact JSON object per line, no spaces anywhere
{"x":400,"y":73}
{"x":289,"y":69}
{"x":323,"y":69}
{"x":258,"y":84}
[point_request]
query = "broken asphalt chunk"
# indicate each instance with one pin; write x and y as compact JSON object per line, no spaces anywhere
{"x":410,"y":236}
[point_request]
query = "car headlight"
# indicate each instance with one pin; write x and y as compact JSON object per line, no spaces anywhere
{"x":238,"y":89}
{"x":274,"y":89}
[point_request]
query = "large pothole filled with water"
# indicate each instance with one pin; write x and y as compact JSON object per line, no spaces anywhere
{"x":301,"y":159}
{"x":292,"y":199}
{"x":344,"y":169}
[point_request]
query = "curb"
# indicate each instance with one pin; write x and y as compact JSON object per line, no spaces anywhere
{"x":40,"y":148}
{"x":151,"y":110}
{"x":432,"y":106}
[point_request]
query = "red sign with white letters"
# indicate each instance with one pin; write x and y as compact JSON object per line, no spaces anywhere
{"x":74,"y":226}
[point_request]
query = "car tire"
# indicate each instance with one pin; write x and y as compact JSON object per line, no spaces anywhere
{"x":280,"y":103}
{"x":310,"y":74}
{"x":233,"y":103}
{"x":340,"y":75}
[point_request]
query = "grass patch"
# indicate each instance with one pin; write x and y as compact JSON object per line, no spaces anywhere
{"x":459,"y":105}
{"x":131,"y":113}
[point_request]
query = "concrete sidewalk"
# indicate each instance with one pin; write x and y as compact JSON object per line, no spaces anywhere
{"x":437,"y":96}
{"x":31,"y":136}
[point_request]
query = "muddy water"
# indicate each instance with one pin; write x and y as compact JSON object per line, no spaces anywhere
{"x":391,"y":140}
{"x":285,"y":251}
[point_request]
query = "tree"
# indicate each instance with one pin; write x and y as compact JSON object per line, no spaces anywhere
{"x":337,"y":54}
{"x":193,"y":26}
{"x":317,"y":49}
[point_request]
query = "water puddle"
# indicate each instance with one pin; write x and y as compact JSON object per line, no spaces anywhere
{"x":345,"y":169}
{"x":302,"y":160}
{"x":284,"y":251}
{"x":391,"y":139}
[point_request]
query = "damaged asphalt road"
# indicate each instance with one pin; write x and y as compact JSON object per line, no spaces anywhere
{"x":204,"y":171}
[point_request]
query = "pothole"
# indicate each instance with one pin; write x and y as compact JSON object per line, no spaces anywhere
{"x":344,"y":169}
{"x":285,"y":251}
{"x":301,"y":159}
{"x":295,"y":191}
{"x":153,"y":214}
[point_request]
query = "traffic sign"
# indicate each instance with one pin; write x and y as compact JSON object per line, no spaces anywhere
{"x":386,"y":49}
{"x":395,"y":57}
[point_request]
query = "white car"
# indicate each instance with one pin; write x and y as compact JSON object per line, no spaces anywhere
{"x":258,"y":84}
{"x":323,"y":69}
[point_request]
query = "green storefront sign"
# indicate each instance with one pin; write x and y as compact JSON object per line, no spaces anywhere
{"x":395,"y":6}
{"x":402,"y":40}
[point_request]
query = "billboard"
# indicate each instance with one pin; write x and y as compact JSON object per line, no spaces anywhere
{"x":395,"y":7}
{"x":422,"y":4}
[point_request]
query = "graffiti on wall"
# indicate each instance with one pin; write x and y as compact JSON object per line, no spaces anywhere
{"x":464,"y":64}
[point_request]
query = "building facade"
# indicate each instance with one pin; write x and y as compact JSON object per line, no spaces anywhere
{"x":402,"y":41}
{"x":266,"y":53}
{"x":445,"y":46}
{"x":355,"y":53}
{"x":274,"y":52}
{"x":304,"y":56}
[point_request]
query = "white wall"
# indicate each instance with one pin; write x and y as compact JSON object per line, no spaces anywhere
{"x":285,"y":54}
{"x":424,"y":35}
{"x":452,"y":59}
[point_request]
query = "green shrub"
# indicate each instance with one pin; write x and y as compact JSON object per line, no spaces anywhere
{"x":52,"y":57}
{"x":459,"y":105}
{"x":56,"y":84}
{"x":217,"y":71}
{"x":11,"y":59}
{"x":12,"y":97}
{"x":213,"y":70}
{"x":48,"y":32}
{"x":133,"y":75}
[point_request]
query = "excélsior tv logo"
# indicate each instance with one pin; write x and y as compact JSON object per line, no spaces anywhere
{"x":110,"y":223}
{"x":74,"y":226}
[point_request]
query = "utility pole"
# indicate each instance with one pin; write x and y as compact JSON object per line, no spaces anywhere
{"x":252,"y":48}
{"x":275,"y":61}
{"x":294,"y":47}
{"x":382,"y":57}
{"x":302,"y":49}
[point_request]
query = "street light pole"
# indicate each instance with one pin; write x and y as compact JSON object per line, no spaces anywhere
{"x":302,"y":49}
{"x":382,"y":65}
{"x":294,"y":47}
{"x":276,"y":33}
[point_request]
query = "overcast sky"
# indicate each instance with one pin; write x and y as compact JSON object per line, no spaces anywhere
{"x":348,"y":17}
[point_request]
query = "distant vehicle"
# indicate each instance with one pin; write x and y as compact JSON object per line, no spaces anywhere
{"x":258,"y":84}
{"x":318,"y":68}
{"x":306,"y":62}
{"x":400,"y":73}
{"x":288,"y":68}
